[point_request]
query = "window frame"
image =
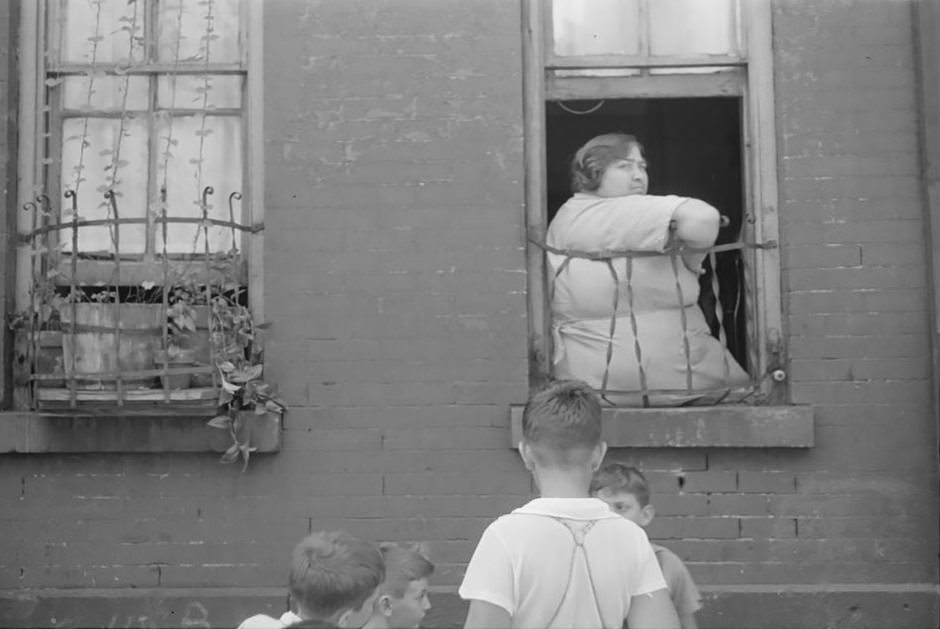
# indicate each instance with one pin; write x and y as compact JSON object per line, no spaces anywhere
{"x":751,"y":78}
{"x":30,"y":75}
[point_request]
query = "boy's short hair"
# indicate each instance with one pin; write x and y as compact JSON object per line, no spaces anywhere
{"x":334,"y":571}
{"x":402,"y":566}
{"x":617,"y":477}
{"x":562,"y":419}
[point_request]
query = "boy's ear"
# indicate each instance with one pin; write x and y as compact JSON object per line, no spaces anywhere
{"x":525,"y":452}
{"x":597,"y":457}
{"x":646,"y":514}
{"x":383,"y":605}
{"x":343,"y":619}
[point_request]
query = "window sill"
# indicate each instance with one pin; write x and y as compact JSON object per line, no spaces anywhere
{"x":700,"y":427}
{"x":32,"y":433}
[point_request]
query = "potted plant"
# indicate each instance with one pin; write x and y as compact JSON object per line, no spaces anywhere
{"x":244,"y":395}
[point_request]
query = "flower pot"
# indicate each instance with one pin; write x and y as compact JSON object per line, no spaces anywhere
{"x":175,"y":358}
{"x":102,"y":338}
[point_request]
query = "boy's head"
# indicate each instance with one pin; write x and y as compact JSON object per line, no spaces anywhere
{"x":334,"y":577}
{"x":403,"y":597}
{"x":625,"y":489}
{"x":561,"y":427}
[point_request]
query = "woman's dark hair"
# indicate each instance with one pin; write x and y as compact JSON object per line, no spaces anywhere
{"x":589,"y":162}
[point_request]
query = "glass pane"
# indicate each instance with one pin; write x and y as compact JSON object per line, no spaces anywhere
{"x":688,"y":27}
{"x":102,"y":153}
{"x":206,"y":31}
{"x":198,"y":92}
{"x":109,"y":31}
{"x":199,"y":156}
{"x":106,"y":92}
{"x":598,"y":27}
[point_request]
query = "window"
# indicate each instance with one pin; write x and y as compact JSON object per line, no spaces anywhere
{"x":138,"y":131}
{"x":693,"y":82}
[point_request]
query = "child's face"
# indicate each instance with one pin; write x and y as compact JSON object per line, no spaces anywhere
{"x":408,"y":611}
{"x":625,"y":504}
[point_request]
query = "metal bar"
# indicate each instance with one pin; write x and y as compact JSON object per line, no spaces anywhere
{"x":613,"y":326}
{"x":116,"y":238}
{"x":145,"y":69}
{"x":254,"y":229}
{"x":585,"y":62}
{"x":636,"y":337}
{"x":166,"y":298}
{"x":73,"y":288}
{"x":674,"y":261}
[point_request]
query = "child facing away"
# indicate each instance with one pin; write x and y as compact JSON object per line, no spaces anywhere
{"x":402,"y":601}
{"x":334,"y":582}
{"x":565,"y":559}
{"x":625,"y":489}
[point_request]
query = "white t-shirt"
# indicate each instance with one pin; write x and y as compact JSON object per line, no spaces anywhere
{"x":528,"y":563}
{"x":263,"y":621}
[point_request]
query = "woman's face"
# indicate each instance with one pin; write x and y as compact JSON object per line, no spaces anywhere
{"x":624,"y":177}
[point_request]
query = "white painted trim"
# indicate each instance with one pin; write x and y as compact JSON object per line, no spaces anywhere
{"x":758,"y":137}
{"x":762,"y":178}
{"x":926,"y":25}
{"x":539,"y":345}
{"x":255,"y":177}
{"x":28,"y":123}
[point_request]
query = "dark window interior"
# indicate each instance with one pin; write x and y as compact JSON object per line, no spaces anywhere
{"x":693,"y":146}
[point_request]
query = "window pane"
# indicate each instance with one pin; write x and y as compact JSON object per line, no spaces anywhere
{"x":199,"y":157}
{"x":597,"y":27}
{"x":687,"y":27}
{"x":102,"y":153}
{"x":195,"y":92}
{"x":110,"y":31}
{"x":199,"y":31}
{"x":115,"y":93}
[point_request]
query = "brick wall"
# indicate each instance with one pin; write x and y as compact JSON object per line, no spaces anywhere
{"x":394,"y":224}
{"x":395,"y":283}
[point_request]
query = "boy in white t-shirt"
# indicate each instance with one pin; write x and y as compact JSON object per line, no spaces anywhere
{"x":565,"y":559}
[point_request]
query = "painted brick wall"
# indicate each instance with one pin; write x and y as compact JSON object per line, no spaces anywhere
{"x":394,"y":244}
{"x":394,"y":280}
{"x":861,"y":507}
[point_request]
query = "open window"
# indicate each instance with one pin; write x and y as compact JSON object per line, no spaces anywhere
{"x":139,"y":225}
{"x":694,"y":84}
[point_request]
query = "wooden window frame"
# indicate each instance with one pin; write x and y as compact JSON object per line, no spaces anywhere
{"x":24,"y":431}
{"x":749,"y":77}
{"x":32,"y":72}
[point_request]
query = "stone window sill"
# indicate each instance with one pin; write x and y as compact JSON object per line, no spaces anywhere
{"x":32,"y":433}
{"x":700,"y":427}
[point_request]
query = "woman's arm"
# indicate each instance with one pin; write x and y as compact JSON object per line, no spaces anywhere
{"x":697,"y":226}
